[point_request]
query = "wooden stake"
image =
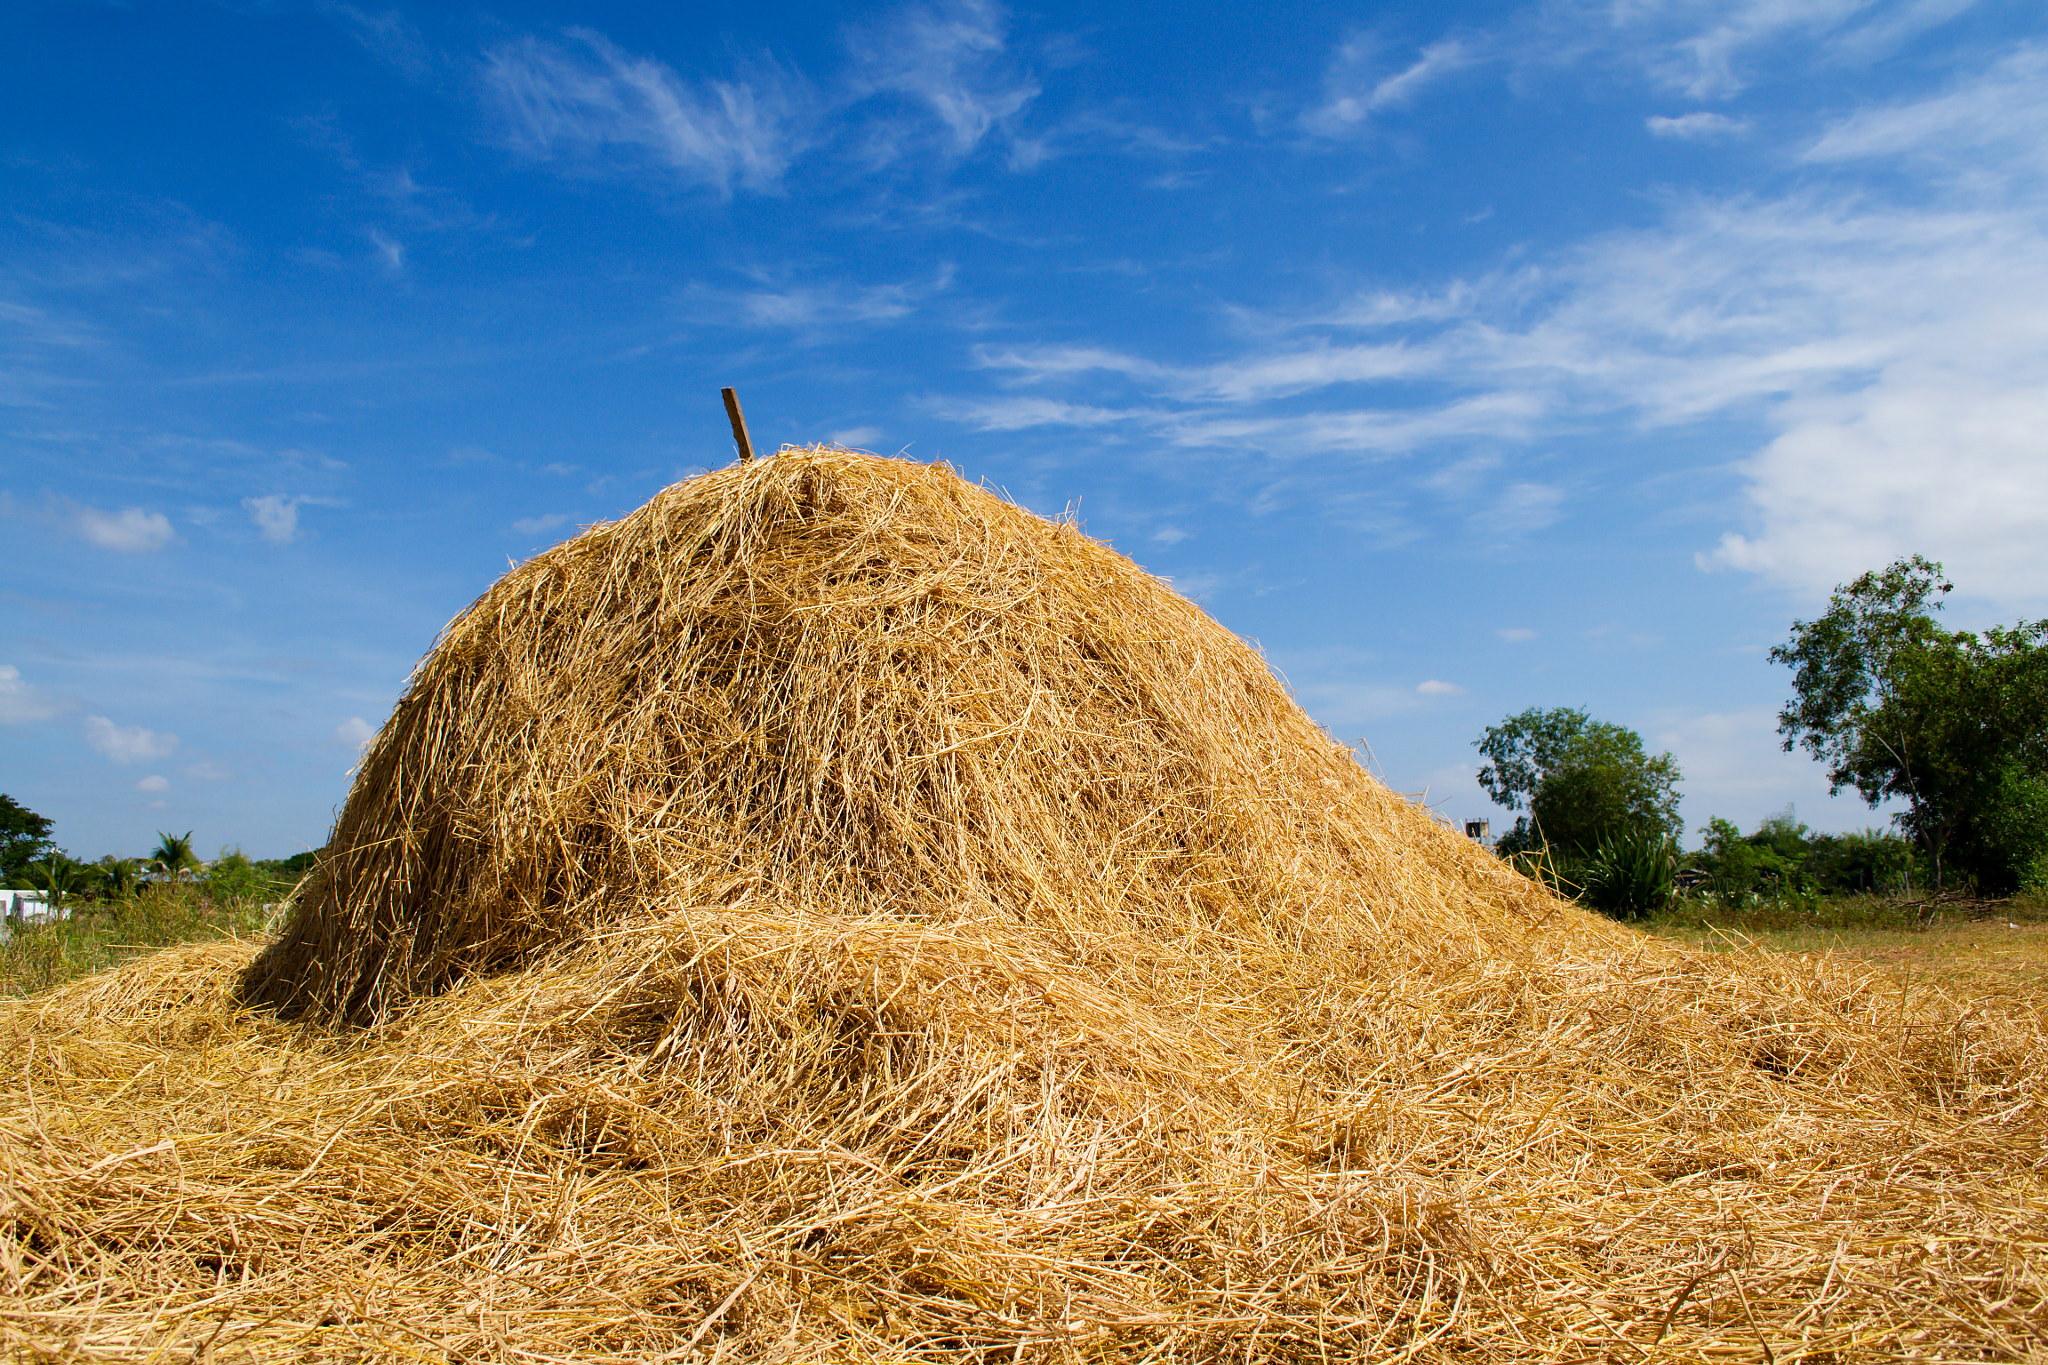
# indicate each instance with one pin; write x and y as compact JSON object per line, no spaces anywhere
{"x":739,"y":425}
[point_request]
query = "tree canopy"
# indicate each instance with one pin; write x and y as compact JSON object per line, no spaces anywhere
{"x":1954,"y":724}
{"x":1582,"y":780}
{"x":173,"y":853}
{"x":24,"y":838}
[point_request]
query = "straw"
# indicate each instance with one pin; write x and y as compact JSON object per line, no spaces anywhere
{"x":833,"y":914}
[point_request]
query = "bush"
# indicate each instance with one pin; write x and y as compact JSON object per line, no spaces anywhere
{"x":1630,"y":874}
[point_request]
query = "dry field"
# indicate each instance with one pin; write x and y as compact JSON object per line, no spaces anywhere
{"x":834,"y":915}
{"x":1999,"y":954}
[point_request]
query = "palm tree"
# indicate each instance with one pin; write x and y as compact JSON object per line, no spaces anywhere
{"x":59,"y":876}
{"x":117,"y":877}
{"x":173,"y":854}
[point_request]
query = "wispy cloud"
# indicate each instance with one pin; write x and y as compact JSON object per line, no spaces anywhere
{"x":950,"y":58}
{"x":587,"y":100}
{"x":127,"y":743}
{"x":1359,"y":82}
{"x":2004,"y":112}
{"x":155,"y":782}
{"x":533,"y":526}
{"x":1699,"y":126}
{"x":129,"y":531}
{"x":1436,"y":687}
{"x":1889,"y":344}
{"x":1711,"y":49}
{"x":388,"y":37}
{"x":390,"y":251}
{"x":838,"y":302}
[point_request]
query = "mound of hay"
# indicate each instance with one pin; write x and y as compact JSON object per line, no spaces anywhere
{"x":832,"y":914}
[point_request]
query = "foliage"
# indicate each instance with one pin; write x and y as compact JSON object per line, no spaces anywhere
{"x":37,"y":956}
{"x":234,"y":875}
{"x":1783,"y":857}
{"x":1582,"y":780}
{"x":1630,"y":874}
{"x":24,"y":837}
{"x":60,"y":877}
{"x":115,"y":877}
{"x":1952,"y":723}
{"x":173,"y":853}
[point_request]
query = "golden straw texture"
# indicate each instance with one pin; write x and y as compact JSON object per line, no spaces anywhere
{"x":833,"y":914}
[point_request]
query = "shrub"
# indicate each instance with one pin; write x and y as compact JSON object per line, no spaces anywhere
{"x":1630,"y":874}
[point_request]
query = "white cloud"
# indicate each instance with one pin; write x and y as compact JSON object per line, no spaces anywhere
{"x":1937,"y":464}
{"x":1695,"y":126}
{"x":205,"y":771}
{"x":277,"y":518}
{"x":1437,"y":688}
{"x":1515,"y":634}
{"x":355,"y":732}
{"x":127,"y":743}
{"x":1884,"y":336}
{"x":153,"y":783}
{"x":390,"y":251}
{"x":838,"y":303}
{"x":21,"y":702}
{"x":131,"y":530}
{"x":856,"y":437}
{"x":1521,"y":509}
{"x":950,"y":58}
{"x":1357,"y":84}
{"x":1169,"y":535}
{"x":1017,"y":414}
{"x":1705,"y":48}
{"x":2003,"y":112}
{"x":593,"y":100}
{"x":533,"y":526}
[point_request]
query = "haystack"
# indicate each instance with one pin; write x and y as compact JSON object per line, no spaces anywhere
{"x":832,"y":914}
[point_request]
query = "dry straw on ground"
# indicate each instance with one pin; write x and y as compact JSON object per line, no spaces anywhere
{"x":832,"y":914}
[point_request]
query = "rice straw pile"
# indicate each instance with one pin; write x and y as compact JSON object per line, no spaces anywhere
{"x":834,"y":915}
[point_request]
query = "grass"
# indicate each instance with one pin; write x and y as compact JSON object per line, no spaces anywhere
{"x":39,"y":956}
{"x":1983,"y":950}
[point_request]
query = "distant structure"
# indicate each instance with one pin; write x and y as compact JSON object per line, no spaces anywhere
{"x":27,"y":907}
{"x":1482,"y":830}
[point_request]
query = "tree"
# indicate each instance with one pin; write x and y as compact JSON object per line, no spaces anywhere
{"x":24,"y":837}
{"x":116,"y":877}
{"x":1582,"y":780}
{"x":234,"y":877}
{"x":60,"y":877}
{"x":173,"y":853}
{"x":1952,"y":723}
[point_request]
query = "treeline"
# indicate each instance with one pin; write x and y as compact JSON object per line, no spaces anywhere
{"x":1782,"y":856}
{"x":31,"y":861}
{"x":1950,"y":725}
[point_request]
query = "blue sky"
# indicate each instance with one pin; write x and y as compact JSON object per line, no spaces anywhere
{"x":1467,"y":357}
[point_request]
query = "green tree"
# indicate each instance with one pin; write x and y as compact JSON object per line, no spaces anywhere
{"x":233,"y":876}
{"x":1953,"y":724}
{"x":60,"y":877}
{"x":1582,"y":781}
{"x":173,"y":854}
{"x":24,"y":837}
{"x":116,"y":877}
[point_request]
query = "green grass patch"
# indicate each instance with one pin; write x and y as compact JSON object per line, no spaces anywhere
{"x":100,"y":934}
